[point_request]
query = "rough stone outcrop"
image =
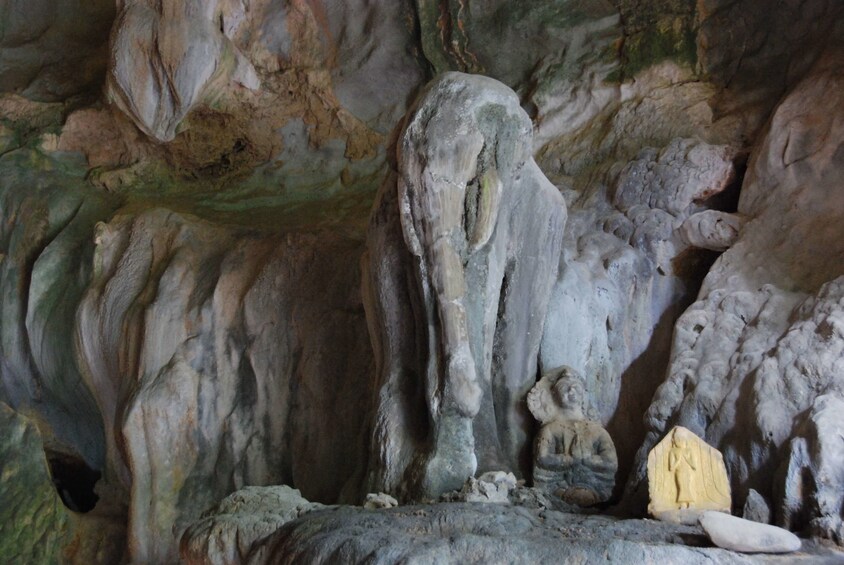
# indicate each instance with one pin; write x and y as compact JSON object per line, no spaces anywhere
{"x":241,"y":520}
{"x":46,"y":244}
{"x":626,"y":271}
{"x":295,"y":93}
{"x":777,"y":48}
{"x":165,"y":352}
{"x":34,"y":524}
{"x":756,"y":362}
{"x":812,"y":479}
{"x":463,"y":246}
{"x":484,"y":533}
{"x":549,"y":53}
{"x":208,"y":336}
{"x":167,"y":57}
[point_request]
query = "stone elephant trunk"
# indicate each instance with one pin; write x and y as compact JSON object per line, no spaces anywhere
{"x":463,"y":248}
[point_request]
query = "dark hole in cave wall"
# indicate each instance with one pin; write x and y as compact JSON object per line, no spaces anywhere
{"x":74,"y":481}
{"x":694,"y":264}
{"x":728,"y":199}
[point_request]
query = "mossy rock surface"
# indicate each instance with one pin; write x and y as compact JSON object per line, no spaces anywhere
{"x":34,"y":524}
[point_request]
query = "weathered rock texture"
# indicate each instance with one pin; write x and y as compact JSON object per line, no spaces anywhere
{"x":186,"y":357}
{"x":166,"y":352}
{"x":38,"y":491}
{"x":292,"y":99}
{"x":553,"y":54}
{"x":463,"y":248}
{"x":490,"y":533}
{"x":241,"y":520}
{"x":34,"y":524}
{"x":627,"y":272}
{"x":232,"y":377}
{"x":47,"y":247}
{"x":756,"y":362}
{"x":167,"y":57}
{"x":754,"y":56}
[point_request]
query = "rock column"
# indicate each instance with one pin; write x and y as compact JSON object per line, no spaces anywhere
{"x":463,"y":249}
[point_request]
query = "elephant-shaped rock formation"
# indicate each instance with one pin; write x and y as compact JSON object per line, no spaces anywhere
{"x":463,"y":249}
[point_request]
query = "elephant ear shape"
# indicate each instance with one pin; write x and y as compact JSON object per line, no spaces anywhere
{"x":483,"y":199}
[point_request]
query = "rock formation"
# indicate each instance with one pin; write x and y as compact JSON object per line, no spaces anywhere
{"x":466,"y":532}
{"x":28,"y":496}
{"x":208,"y":319}
{"x":756,"y":361}
{"x":54,"y":49}
{"x":241,"y":520}
{"x":198,"y":366}
{"x":199,"y":295}
{"x":462,"y":251}
{"x":166,"y":59}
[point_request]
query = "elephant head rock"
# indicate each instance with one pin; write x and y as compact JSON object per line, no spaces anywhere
{"x":463,"y":249}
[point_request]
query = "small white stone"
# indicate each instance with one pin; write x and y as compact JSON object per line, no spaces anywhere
{"x":499,"y":477}
{"x":380,"y":500}
{"x":738,"y":534}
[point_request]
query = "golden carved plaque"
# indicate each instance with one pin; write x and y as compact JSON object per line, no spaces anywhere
{"x":684,"y":472}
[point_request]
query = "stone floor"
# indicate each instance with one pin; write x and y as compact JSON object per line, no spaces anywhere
{"x":456,"y":532}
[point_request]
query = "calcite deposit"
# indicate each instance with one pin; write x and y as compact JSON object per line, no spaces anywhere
{"x":332,"y":245}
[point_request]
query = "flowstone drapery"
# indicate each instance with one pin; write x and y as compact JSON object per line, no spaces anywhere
{"x":463,"y":248}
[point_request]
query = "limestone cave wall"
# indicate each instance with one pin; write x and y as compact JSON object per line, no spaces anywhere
{"x":220,"y":266}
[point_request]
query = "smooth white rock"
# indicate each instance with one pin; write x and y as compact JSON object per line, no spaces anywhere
{"x":738,"y":534}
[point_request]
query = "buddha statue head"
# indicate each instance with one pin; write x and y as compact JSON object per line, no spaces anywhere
{"x":570,"y":393}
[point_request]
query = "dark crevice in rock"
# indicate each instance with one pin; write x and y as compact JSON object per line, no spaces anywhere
{"x":74,"y":481}
{"x":728,"y":199}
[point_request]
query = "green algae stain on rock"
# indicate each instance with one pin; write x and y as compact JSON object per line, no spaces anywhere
{"x":655,"y":31}
{"x":445,"y":41}
{"x":34,"y":524}
{"x":676,"y":43}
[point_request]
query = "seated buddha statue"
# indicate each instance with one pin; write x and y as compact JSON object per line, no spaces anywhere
{"x":574,"y":457}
